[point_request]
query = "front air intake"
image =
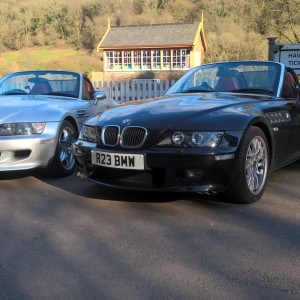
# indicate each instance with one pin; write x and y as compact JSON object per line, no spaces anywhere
{"x":110,"y":135}
{"x":133,"y":137}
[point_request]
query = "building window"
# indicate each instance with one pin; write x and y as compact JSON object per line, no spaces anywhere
{"x":146,"y":60}
{"x":170,"y":59}
{"x":176,"y":59}
{"x":166,"y":59}
{"x":127,"y":60}
{"x":118,"y":60}
{"x":185,"y":59}
{"x":155,"y":59}
{"x":181,"y":59}
{"x":109,"y":60}
{"x":137,"y":60}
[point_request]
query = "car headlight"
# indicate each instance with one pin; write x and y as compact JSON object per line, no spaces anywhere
{"x":178,"y":138}
{"x":193,"y":139}
{"x":88,"y":133}
{"x":206,"y":139}
{"x":26,"y":128}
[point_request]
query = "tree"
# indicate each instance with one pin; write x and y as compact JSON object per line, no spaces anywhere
{"x":287,"y":19}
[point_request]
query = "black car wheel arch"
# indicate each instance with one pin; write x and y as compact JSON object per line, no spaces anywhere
{"x":252,"y":169}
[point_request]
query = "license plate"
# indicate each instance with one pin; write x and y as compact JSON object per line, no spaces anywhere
{"x":118,"y":160}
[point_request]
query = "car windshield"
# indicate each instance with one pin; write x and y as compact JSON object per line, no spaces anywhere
{"x":236,"y":77}
{"x":56,"y":83}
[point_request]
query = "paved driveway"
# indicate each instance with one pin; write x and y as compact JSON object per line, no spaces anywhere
{"x":71,"y":239}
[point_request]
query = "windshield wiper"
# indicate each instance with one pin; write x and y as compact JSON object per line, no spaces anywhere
{"x":14,"y":92}
{"x":10,"y":94}
{"x":61,"y":94}
{"x":195,"y":90}
{"x":256,"y":91}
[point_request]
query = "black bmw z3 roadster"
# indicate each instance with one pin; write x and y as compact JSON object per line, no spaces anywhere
{"x":221,"y":128}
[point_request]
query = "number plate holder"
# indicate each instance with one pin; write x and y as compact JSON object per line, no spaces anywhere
{"x":118,"y":160}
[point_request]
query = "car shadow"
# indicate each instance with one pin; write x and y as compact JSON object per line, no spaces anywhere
{"x":83,"y":188}
{"x":76,"y":186}
{"x":12,"y":175}
{"x":87,"y":189}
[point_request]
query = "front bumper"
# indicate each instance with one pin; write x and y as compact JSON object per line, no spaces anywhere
{"x":28,"y":152}
{"x":186,"y":170}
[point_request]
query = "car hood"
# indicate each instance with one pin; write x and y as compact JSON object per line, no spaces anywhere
{"x":213,"y":111}
{"x":35,"y":108}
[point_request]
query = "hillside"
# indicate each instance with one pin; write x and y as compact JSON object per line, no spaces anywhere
{"x":64,"y":33}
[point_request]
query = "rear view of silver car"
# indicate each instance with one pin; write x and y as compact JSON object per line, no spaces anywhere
{"x":41,"y":113}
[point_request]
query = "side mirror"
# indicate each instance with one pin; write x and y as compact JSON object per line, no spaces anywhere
{"x":99,"y":96}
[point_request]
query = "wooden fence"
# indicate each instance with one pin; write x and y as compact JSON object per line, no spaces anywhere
{"x":124,"y":91}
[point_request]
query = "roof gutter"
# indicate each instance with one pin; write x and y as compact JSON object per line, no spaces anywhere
{"x":138,"y":47}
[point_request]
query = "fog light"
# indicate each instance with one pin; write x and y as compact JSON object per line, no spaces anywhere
{"x":194,"y":173}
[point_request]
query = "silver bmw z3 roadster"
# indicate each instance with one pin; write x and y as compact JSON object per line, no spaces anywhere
{"x":41,"y":113}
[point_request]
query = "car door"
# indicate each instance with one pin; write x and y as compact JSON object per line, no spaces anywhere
{"x":95,"y":106}
{"x":285,"y":121}
{"x":290,"y":92}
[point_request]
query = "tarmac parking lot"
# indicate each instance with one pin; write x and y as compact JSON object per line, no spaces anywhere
{"x":71,"y":239}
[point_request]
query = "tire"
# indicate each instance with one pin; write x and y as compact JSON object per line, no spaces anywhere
{"x":63,"y":163}
{"x":252,"y":170}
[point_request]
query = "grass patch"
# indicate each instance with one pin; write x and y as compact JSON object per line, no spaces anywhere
{"x":48,"y":58}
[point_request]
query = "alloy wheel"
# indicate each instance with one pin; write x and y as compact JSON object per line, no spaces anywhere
{"x":66,"y":138}
{"x":256,"y":165}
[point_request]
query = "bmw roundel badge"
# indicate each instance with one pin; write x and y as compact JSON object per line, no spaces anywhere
{"x":126,"y":122}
